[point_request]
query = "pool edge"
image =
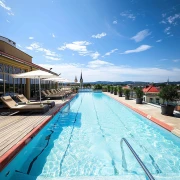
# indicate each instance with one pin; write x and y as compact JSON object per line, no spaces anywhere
{"x":8,"y":156}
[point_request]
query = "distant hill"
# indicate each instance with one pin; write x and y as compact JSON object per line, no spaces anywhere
{"x":129,"y":82}
{"x":115,"y":83}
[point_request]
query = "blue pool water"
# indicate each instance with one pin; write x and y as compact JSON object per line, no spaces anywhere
{"x":83,"y":140}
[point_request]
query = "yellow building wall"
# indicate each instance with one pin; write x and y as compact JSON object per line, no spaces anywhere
{"x":13,"y":51}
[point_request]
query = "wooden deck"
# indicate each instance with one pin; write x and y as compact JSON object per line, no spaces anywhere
{"x":14,"y":128}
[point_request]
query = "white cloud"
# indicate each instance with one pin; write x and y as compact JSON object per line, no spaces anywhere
{"x":99,"y":35}
{"x":31,"y":37}
{"x":98,"y":63}
{"x":2,"y":4}
{"x":176,"y":60}
{"x":11,"y":13}
{"x":95,"y":55}
{"x":33,"y":46}
{"x":7,"y":21}
{"x":115,"y":22}
{"x":110,"y":72}
{"x":167,"y":30}
{"x":171,"y":19}
{"x":163,"y":22}
{"x":139,"y":49}
{"x":48,"y":54}
{"x":109,"y":53}
{"x":53,"y":35}
{"x":76,"y":47}
{"x":52,"y":58}
{"x":128,"y":15}
{"x":81,"y":48}
{"x":141,"y":35}
{"x":159,"y":40}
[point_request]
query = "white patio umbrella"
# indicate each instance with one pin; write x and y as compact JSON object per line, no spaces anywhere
{"x":63,"y":81}
{"x":37,"y":74}
{"x":58,"y":79}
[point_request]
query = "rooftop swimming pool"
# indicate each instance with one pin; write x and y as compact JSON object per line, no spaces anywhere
{"x":82,"y":141}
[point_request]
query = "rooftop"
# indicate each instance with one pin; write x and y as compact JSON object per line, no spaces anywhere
{"x":150,"y":89}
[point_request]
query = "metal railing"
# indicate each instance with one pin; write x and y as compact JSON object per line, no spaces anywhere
{"x":149,"y":175}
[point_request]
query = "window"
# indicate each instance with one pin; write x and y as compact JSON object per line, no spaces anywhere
{"x":151,"y":100}
{"x":10,"y":69}
{"x":1,"y":84}
{"x":157,"y":100}
{"x":6,"y":68}
{"x":1,"y":67}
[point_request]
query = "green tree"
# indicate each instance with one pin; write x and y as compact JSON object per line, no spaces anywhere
{"x":139,"y":92}
{"x":115,"y":90}
{"x":168,"y":93}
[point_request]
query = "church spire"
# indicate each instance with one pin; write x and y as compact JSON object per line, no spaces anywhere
{"x":75,"y":80}
{"x":167,"y":81}
{"x":81,"y":80}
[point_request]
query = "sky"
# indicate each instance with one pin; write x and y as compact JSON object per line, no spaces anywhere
{"x":108,"y":40}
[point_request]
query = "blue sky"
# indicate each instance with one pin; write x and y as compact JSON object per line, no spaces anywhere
{"x":109,"y":40}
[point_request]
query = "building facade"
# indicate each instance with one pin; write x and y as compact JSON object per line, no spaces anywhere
{"x":151,"y":95}
{"x":75,"y":80}
{"x":15,"y":61}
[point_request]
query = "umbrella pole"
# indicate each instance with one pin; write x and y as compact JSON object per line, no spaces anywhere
{"x":40,"y":89}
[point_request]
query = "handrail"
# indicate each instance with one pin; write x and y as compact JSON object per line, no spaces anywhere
{"x":149,"y":175}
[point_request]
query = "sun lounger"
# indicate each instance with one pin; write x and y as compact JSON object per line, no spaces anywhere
{"x":66,"y":92}
{"x":53,"y":91}
{"x":24,"y":100}
{"x":51,"y":96}
{"x":48,"y":92}
{"x":13,"y":106}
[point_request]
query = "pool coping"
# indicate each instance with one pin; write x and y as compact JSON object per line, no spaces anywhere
{"x":8,"y":156}
{"x":147,"y":116}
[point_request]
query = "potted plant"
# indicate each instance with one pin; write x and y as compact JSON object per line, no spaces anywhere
{"x":76,"y":89}
{"x":168,"y":94}
{"x":108,"y":88}
{"x":98,"y":87}
{"x":104,"y":88}
{"x":120,"y":91}
{"x":115,"y":90}
{"x":127,"y":93}
{"x":111,"y":89}
{"x":139,"y":95}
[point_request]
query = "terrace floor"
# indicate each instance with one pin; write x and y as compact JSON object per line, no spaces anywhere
{"x":153,"y":113}
{"x":13,"y":129}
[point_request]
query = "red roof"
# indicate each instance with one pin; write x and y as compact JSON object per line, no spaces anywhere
{"x":151,"y":89}
{"x":126,"y":87}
